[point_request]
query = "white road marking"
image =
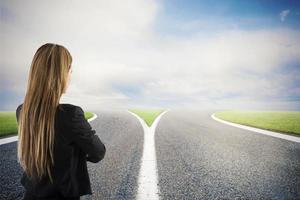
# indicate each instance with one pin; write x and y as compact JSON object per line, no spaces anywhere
{"x":257,"y":130}
{"x":92,"y":118}
{"x":148,"y":175}
{"x":15,"y":138}
{"x":8,"y":140}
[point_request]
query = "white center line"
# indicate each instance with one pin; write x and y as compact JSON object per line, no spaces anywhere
{"x":148,"y":175}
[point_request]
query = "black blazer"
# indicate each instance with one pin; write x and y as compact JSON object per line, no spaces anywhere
{"x":75,"y":143}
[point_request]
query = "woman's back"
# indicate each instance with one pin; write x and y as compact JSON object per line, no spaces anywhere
{"x":75,"y":143}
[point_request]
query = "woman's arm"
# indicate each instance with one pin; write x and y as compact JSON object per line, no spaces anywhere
{"x":85,"y":137}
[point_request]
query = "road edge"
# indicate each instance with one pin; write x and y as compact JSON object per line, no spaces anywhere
{"x":258,"y":130}
{"x":15,"y":138}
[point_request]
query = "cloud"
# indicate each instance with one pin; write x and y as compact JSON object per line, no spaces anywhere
{"x":231,"y":65}
{"x":96,"y":33}
{"x":283,"y":14}
{"x":121,"y":60}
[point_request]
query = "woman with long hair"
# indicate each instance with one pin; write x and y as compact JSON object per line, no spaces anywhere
{"x":55,"y":140}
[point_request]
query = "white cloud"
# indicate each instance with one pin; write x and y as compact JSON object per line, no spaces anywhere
{"x":283,"y":14}
{"x":115,"y":42}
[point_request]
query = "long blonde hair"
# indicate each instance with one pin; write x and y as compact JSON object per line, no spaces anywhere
{"x":46,"y":83}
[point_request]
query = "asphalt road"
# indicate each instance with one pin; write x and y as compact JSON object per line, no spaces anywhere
{"x":114,"y":177}
{"x":197,"y":158}
{"x":200,"y":158}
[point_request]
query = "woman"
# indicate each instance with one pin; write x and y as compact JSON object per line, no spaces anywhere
{"x":55,"y":140}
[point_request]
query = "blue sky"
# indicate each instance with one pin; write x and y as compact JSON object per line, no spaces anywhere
{"x":227,"y":14}
{"x":142,"y":53}
{"x":233,"y":11}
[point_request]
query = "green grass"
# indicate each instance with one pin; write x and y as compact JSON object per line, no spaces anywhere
{"x":280,"y":121}
{"x":88,"y":115}
{"x":8,"y":122}
{"x":148,"y":115}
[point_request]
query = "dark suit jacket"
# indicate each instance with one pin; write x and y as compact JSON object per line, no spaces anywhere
{"x":75,"y":143}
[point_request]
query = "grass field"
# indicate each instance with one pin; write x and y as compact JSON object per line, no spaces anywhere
{"x":148,"y":115}
{"x":8,"y":123}
{"x":88,"y":115}
{"x":280,"y":121}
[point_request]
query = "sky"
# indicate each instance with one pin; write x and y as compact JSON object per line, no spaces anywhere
{"x":172,"y":54}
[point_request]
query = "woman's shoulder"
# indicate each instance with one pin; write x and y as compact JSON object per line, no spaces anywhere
{"x":68,"y":108}
{"x":64,"y":109}
{"x":61,"y":106}
{"x":19,"y":107}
